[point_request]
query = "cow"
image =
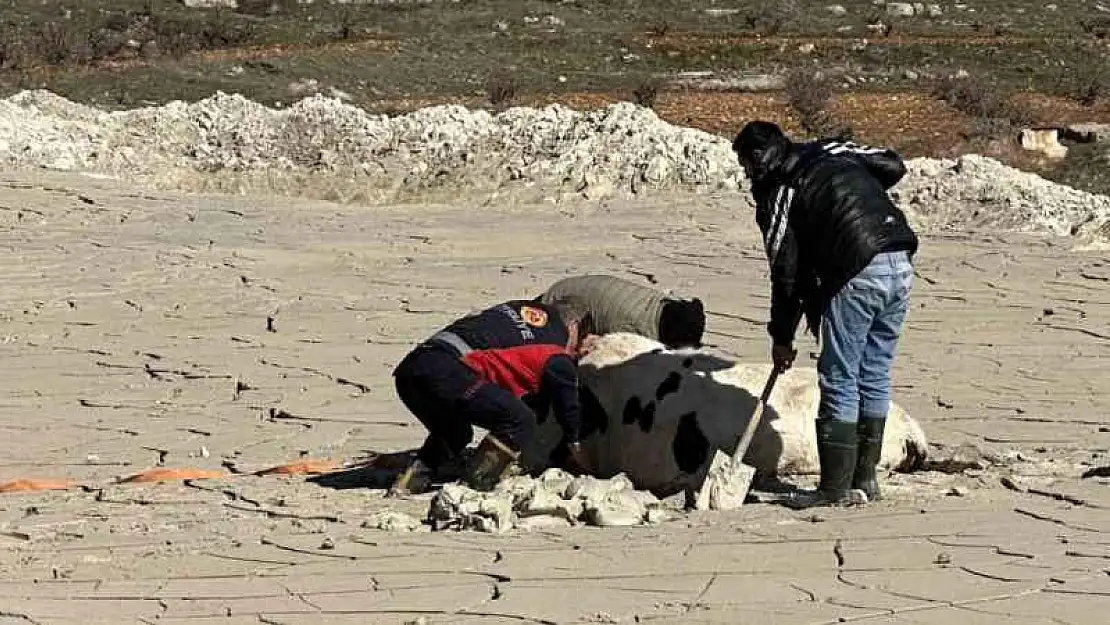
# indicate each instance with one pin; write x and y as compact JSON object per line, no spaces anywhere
{"x":658,"y":415}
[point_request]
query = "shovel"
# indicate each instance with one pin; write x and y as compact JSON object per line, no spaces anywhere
{"x":728,"y":479}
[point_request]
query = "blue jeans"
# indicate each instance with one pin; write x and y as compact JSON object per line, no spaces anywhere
{"x":860,"y":332}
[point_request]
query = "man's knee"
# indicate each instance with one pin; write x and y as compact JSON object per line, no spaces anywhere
{"x":840,"y":404}
{"x":874,"y":394}
{"x":840,"y":394}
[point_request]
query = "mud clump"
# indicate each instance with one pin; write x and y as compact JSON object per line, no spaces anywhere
{"x":554,"y":499}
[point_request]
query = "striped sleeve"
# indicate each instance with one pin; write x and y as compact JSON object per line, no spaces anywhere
{"x":780,"y":221}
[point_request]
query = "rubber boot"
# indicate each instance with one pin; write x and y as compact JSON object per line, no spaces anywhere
{"x":493,"y":459}
{"x":837,"y":451}
{"x":870,"y":435}
{"x":415,"y":479}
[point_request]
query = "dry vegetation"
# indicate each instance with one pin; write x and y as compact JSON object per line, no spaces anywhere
{"x":970,"y":71}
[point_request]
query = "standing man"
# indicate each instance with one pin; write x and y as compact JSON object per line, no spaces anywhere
{"x":484,"y":370}
{"x":840,"y":253}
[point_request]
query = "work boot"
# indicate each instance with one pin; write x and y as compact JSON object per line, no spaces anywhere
{"x":837,"y":452}
{"x":492,"y":460}
{"x":452,"y":469}
{"x":870,"y":435}
{"x":415,"y":479}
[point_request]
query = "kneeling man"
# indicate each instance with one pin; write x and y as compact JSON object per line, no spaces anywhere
{"x":486,"y":369}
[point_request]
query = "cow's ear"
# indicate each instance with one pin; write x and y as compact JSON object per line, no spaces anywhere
{"x":697,"y":304}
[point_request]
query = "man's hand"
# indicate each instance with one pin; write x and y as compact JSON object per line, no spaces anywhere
{"x":576,"y":458}
{"x":783,"y":356}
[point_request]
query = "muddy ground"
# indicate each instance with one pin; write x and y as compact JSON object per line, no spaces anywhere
{"x":231,"y":334}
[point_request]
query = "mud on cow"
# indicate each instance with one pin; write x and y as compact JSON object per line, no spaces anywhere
{"x":658,"y":415}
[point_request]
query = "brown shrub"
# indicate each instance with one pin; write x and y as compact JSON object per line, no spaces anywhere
{"x":256,"y":8}
{"x":810,"y":95}
{"x":11,"y":49}
{"x":500,"y":88}
{"x":992,"y":110}
{"x":773,"y":17}
{"x":1098,"y":27}
{"x":222,"y":31}
{"x":646,"y":92}
{"x":347,"y":25}
{"x":54,"y":43}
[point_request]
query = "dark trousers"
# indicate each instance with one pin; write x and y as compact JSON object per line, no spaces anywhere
{"x":449,"y":399}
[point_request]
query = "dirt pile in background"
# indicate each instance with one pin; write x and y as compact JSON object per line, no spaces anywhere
{"x":323,"y":147}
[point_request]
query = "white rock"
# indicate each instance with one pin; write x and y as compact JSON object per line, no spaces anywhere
{"x":707,"y":81}
{"x":899,"y":9}
{"x":555,"y":480}
{"x":655,"y":516}
{"x":620,"y":508}
{"x":658,"y":169}
{"x":837,"y":9}
{"x":211,"y":4}
{"x":934,"y":10}
{"x":1088,"y":133}
{"x":340,"y":94}
{"x":303,"y":86}
{"x":547,"y":503}
{"x":392,"y":521}
{"x":1046,"y":141}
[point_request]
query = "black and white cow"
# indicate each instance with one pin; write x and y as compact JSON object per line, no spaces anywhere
{"x":658,"y":416}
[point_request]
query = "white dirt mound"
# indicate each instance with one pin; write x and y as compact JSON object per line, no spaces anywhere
{"x":227,"y":142}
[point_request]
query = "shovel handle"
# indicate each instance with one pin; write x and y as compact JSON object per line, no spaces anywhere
{"x":753,"y":423}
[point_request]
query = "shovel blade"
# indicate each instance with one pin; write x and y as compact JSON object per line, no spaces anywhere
{"x":726,"y":484}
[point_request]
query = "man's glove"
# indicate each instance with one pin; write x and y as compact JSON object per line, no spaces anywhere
{"x":783,"y":356}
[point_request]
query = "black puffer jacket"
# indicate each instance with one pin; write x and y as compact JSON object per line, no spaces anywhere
{"x":824,"y":214}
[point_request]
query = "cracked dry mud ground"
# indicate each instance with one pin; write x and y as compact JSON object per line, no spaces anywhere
{"x":229,"y":334}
